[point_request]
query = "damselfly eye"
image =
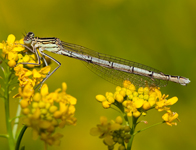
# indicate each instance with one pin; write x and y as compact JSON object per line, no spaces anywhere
{"x":30,"y":35}
{"x":28,"y":38}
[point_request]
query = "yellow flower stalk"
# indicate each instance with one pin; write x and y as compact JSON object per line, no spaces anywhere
{"x":133,"y":103}
{"x":112,"y":132}
{"x":42,"y":111}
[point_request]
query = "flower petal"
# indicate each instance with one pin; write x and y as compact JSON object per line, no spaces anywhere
{"x":11,"y":38}
{"x":44,"y":90}
{"x":95,"y":131}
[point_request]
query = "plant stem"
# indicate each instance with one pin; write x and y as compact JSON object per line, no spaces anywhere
{"x":126,"y":119}
{"x":4,"y":135}
{"x":15,"y":127}
{"x":7,"y":111}
{"x":19,"y":139}
{"x":133,"y":133}
{"x":134,"y":123}
{"x":148,"y":127}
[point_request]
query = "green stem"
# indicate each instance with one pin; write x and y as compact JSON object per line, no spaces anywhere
{"x":45,"y":146}
{"x":7,"y":112}
{"x":4,"y":135}
{"x":134,"y":124}
{"x":19,"y":139}
{"x":149,"y":127}
{"x":15,"y":127}
{"x":133,"y":133}
{"x":121,"y":108}
{"x":126,"y":119}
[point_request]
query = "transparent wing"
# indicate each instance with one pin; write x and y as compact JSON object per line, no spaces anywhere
{"x":115,"y":76}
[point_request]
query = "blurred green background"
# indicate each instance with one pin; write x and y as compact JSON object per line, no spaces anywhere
{"x":160,"y":34}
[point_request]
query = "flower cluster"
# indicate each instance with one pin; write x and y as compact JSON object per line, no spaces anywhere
{"x":15,"y":53}
{"x":10,"y":50}
{"x":47,"y":111}
{"x":26,"y":76}
{"x":112,"y":132}
{"x":137,"y":102}
{"x":43,"y":111}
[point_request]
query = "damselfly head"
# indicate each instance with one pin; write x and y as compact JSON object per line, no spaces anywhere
{"x":28,"y":38}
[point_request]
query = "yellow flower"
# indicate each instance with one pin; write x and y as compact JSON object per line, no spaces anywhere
{"x":105,"y":129}
{"x":146,"y":105}
{"x":163,"y":103}
{"x":11,"y":47}
{"x":119,"y":98}
{"x":41,"y":73}
{"x":128,"y":85}
{"x":23,"y":75}
{"x":106,"y":104}
{"x":169,"y":117}
{"x":138,"y":102}
{"x":12,"y":56}
{"x":112,"y":132}
{"x":47,"y":111}
{"x":12,"y":63}
{"x":26,"y":92}
{"x":131,"y":102}
{"x":51,"y":139}
{"x":24,"y":103}
{"x":131,"y":109}
{"x":119,"y":120}
{"x":28,"y":59}
{"x":26,"y":76}
{"x":38,"y":76}
{"x":140,"y":90}
{"x":100,"y":98}
{"x":38,"y":125}
{"x":135,"y":102}
{"x":106,"y":101}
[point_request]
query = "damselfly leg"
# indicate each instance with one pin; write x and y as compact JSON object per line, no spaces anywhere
{"x":34,"y":50}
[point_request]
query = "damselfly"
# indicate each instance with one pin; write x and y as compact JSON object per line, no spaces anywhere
{"x":111,"y":68}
